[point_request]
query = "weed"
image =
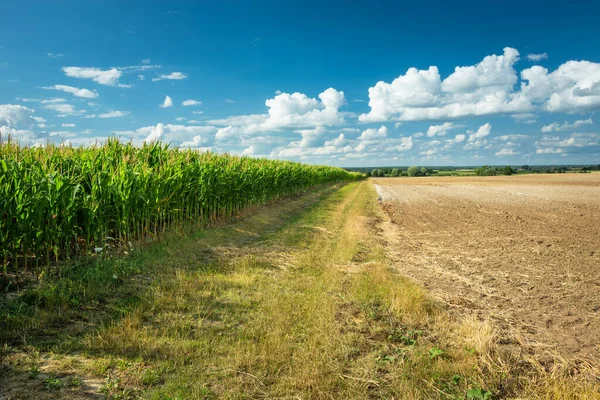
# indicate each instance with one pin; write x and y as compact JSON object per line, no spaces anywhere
{"x":479,"y":394}
{"x":53,"y":383}
{"x":436,"y":352}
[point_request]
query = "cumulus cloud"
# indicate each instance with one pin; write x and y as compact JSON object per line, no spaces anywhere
{"x":287,"y":111}
{"x":478,"y":139}
{"x":506,"y":152}
{"x":13,"y":115}
{"x":169,"y":133}
{"x":374,"y":134}
{"x":489,"y":87}
{"x":439,"y":130}
{"x":457,"y":139}
{"x":557,"y":127}
{"x":167,"y":103}
{"x":190,"y":102}
{"x":109,"y":77}
{"x":171,"y":76}
{"x":537,"y":57}
{"x":77,"y":92}
{"x":68,"y":125}
{"x":23,"y":136}
{"x":482,"y":132}
{"x":479,"y":89}
{"x":55,"y":55}
{"x":567,"y":89}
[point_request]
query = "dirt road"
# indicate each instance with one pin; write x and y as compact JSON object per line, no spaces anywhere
{"x":522,"y":250}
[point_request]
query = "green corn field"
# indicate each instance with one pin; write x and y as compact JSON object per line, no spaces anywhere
{"x":59,"y":202}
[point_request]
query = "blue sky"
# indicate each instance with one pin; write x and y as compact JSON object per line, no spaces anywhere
{"x":341,"y":83}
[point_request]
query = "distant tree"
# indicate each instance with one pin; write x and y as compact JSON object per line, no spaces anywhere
{"x":507,"y":170}
{"x":423,"y":171}
{"x":395,"y":172}
{"x":525,"y":167}
{"x":413,"y":171}
{"x":377,"y":172}
{"x":485,"y":171}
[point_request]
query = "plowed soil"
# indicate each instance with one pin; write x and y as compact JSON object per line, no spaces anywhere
{"x":522,"y":250}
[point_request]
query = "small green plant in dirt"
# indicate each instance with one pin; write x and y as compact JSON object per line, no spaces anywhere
{"x":113,"y":390}
{"x":436,"y":352}
{"x":53,"y":383}
{"x":407,"y":337}
{"x":33,"y":372}
{"x":479,"y":394}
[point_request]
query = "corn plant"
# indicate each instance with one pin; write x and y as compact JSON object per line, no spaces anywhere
{"x":60,"y":202}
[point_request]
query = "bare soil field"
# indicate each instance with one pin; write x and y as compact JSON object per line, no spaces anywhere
{"x":521,"y":250}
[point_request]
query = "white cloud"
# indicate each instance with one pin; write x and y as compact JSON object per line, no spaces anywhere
{"x":489,"y":87}
{"x":506,"y":152}
{"x":556,"y":127}
{"x":53,"y":100}
{"x":574,"y":140}
{"x":68,"y":125}
{"x":549,"y":151}
{"x":570,"y":88}
{"x":190,"y":102}
{"x":23,"y":136}
{"x":180,"y":119}
{"x":457,"y":139}
{"x":374,"y":134}
{"x":483,"y":131}
{"x":171,"y":76}
{"x":406,"y":143}
{"x":167,"y":103}
{"x":537,"y":57}
{"x":38,"y":119}
{"x":113,"y":114}
{"x":109,"y":77}
{"x":77,"y":92}
{"x":63,"y":109}
{"x":13,"y":114}
{"x":197,"y":112}
{"x":110,"y":114}
{"x":477,"y":139}
{"x":175,"y":134}
{"x":525,"y":118}
{"x":229,"y":101}
{"x":287,"y":111}
{"x":141,"y":77}
{"x":55,"y":55}
{"x":146,"y":61}
{"x":473,"y":90}
{"x":439,"y":130}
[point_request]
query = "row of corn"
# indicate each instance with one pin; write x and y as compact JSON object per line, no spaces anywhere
{"x":58,"y":202}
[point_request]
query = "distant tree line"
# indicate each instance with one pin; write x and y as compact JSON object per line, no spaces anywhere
{"x":480,"y":171}
{"x":393,"y":172}
{"x":493,"y":171}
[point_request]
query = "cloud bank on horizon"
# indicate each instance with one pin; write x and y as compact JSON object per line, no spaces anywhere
{"x":507,"y":108}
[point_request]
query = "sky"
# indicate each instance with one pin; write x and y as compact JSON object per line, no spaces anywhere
{"x":356,"y":84}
